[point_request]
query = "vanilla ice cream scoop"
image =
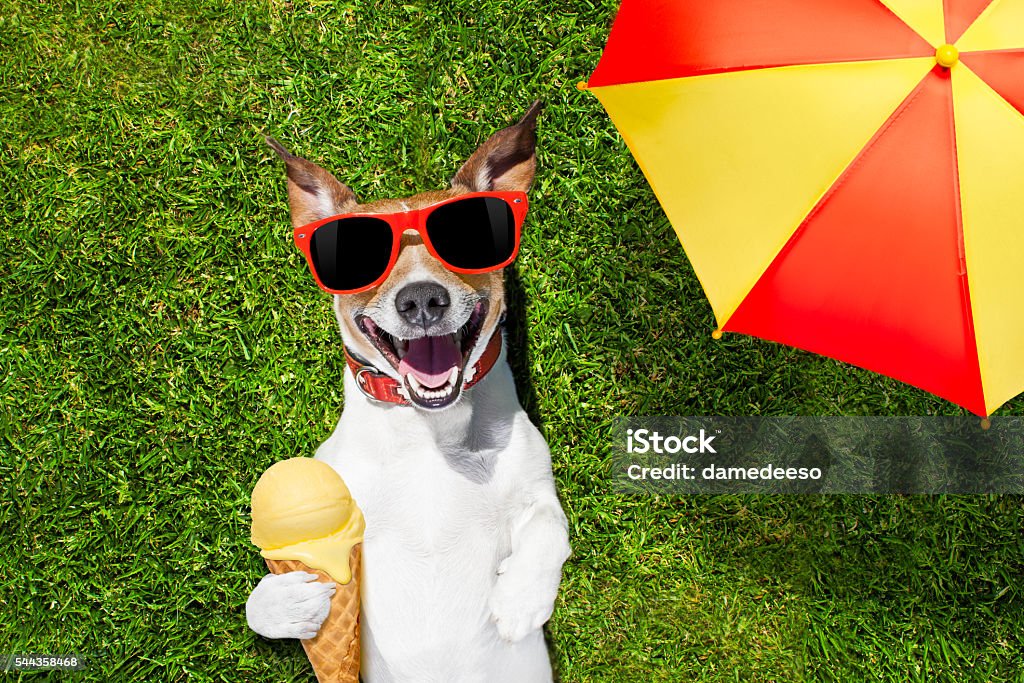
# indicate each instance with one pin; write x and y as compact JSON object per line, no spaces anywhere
{"x":302,"y":510}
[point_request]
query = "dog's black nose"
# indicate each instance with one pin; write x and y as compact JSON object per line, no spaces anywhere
{"x":422,"y":303}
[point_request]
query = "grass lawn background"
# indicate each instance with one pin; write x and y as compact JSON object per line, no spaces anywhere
{"x":161,"y":344}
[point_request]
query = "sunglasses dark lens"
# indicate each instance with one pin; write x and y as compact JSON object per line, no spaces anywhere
{"x":478,"y":232}
{"x":352,"y":252}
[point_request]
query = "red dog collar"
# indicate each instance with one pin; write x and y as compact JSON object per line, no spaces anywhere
{"x":384,"y":388}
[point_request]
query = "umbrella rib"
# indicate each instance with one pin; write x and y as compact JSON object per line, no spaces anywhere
{"x":965,"y":289}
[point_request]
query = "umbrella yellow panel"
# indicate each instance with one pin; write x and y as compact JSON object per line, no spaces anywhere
{"x":1000,"y":27}
{"x":755,"y":151}
{"x":990,"y":147}
{"x":925,"y":17}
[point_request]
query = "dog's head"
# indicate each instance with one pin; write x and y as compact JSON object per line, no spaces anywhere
{"x":424,"y":325}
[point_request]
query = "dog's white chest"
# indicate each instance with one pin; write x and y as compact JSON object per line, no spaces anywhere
{"x":426,"y":512}
{"x":436,"y":531}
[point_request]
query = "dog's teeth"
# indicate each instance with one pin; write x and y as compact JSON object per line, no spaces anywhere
{"x":432,"y":394}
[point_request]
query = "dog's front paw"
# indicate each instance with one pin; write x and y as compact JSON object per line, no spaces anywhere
{"x":519,"y":605}
{"x":291,"y":605}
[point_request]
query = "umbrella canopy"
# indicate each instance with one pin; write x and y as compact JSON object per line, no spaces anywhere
{"x":846,"y":176}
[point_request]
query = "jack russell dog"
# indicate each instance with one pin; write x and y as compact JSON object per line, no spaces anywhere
{"x":465,"y":536}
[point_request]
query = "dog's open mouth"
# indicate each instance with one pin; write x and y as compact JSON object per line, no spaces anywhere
{"x":432,"y":367}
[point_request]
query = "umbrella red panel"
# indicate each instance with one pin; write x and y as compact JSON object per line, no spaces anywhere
{"x":875,"y":275}
{"x":960,"y":14}
{"x":675,"y":38}
{"x":1002,"y":71}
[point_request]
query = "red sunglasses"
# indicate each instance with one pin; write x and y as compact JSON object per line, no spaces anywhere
{"x":471,"y":233}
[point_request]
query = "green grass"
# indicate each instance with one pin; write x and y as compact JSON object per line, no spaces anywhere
{"x":161,"y":344}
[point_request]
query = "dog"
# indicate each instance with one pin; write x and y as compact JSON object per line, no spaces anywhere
{"x":465,"y":536}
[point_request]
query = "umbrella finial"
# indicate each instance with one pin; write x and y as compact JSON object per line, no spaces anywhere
{"x":947,"y":56}
{"x":582,"y":85}
{"x":716,"y":335}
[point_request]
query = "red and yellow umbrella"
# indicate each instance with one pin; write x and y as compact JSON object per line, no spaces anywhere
{"x":846,"y":176}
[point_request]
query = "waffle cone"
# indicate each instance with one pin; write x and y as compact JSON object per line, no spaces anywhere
{"x":334,"y":652}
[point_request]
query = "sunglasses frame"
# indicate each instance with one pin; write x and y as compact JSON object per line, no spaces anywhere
{"x":414,"y":219}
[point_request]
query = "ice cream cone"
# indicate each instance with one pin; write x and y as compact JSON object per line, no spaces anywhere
{"x":304,"y":519}
{"x":334,"y":652}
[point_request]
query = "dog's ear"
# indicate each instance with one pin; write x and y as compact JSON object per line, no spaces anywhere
{"x":506,"y":161}
{"x":313,"y":193}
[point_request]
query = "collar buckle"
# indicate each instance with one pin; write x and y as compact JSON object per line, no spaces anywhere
{"x":363,"y":382}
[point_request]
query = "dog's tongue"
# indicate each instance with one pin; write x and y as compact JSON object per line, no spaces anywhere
{"x":431,"y":359}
